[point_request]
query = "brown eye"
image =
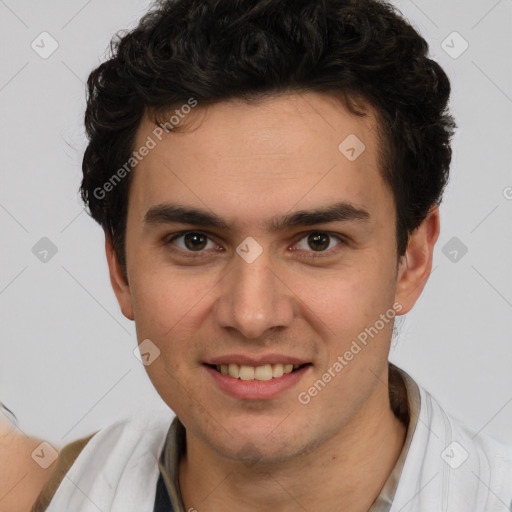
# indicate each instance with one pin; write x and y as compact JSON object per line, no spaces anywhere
{"x":318,"y":241}
{"x":195,"y":241}
{"x":192,"y":242}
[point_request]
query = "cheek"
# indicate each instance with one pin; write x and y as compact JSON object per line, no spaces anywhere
{"x":157,"y":307}
{"x":349,"y":297}
{"x":166,"y":306}
{"x":169,"y":307}
{"x":347,"y":305}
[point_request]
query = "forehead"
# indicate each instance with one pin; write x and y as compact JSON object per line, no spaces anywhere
{"x":251,"y":161}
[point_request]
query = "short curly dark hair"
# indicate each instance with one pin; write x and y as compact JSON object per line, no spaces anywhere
{"x":215,"y":50}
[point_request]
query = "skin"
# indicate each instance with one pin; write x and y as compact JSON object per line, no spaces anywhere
{"x":21,"y":479}
{"x":248,"y":163}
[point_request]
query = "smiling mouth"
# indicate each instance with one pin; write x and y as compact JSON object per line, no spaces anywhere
{"x":263,"y":372}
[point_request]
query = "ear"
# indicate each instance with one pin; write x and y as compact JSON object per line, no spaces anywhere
{"x":416,"y":265}
{"x":119,"y":283}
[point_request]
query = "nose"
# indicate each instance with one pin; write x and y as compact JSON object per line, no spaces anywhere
{"x":254,"y":298}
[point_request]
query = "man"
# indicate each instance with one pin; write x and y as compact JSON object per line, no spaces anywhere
{"x":268,"y":175}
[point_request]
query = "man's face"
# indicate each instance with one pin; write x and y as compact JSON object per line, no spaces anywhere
{"x":255,"y":294}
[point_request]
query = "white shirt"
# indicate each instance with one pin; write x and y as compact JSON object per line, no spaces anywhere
{"x":444,"y":466}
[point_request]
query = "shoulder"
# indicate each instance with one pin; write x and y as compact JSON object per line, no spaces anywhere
{"x":452,"y":466}
{"x":475,"y":442}
{"x":67,"y":457}
{"x":110,"y":460}
{"x":490,"y":458}
{"x":21,"y":478}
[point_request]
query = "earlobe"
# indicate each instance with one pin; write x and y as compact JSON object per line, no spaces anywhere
{"x":416,"y":265}
{"x":118,"y":280}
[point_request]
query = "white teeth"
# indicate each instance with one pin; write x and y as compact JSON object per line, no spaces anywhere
{"x":233,"y":371}
{"x":263,"y":372}
{"x":246,"y":372}
{"x":277,"y":370}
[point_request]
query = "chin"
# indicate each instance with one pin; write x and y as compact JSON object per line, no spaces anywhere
{"x":262,"y":446}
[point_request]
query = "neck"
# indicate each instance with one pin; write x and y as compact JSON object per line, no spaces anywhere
{"x":344,"y":474}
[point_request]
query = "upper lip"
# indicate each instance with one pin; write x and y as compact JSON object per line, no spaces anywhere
{"x":255,"y":360}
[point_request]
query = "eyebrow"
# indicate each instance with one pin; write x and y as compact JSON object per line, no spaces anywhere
{"x":175,"y":213}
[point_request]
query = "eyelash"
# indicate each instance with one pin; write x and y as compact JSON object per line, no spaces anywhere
{"x":312,"y":256}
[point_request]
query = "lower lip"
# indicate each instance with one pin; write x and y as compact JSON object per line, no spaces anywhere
{"x":257,"y":389}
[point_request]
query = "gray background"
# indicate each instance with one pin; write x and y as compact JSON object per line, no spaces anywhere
{"x":66,"y":353}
